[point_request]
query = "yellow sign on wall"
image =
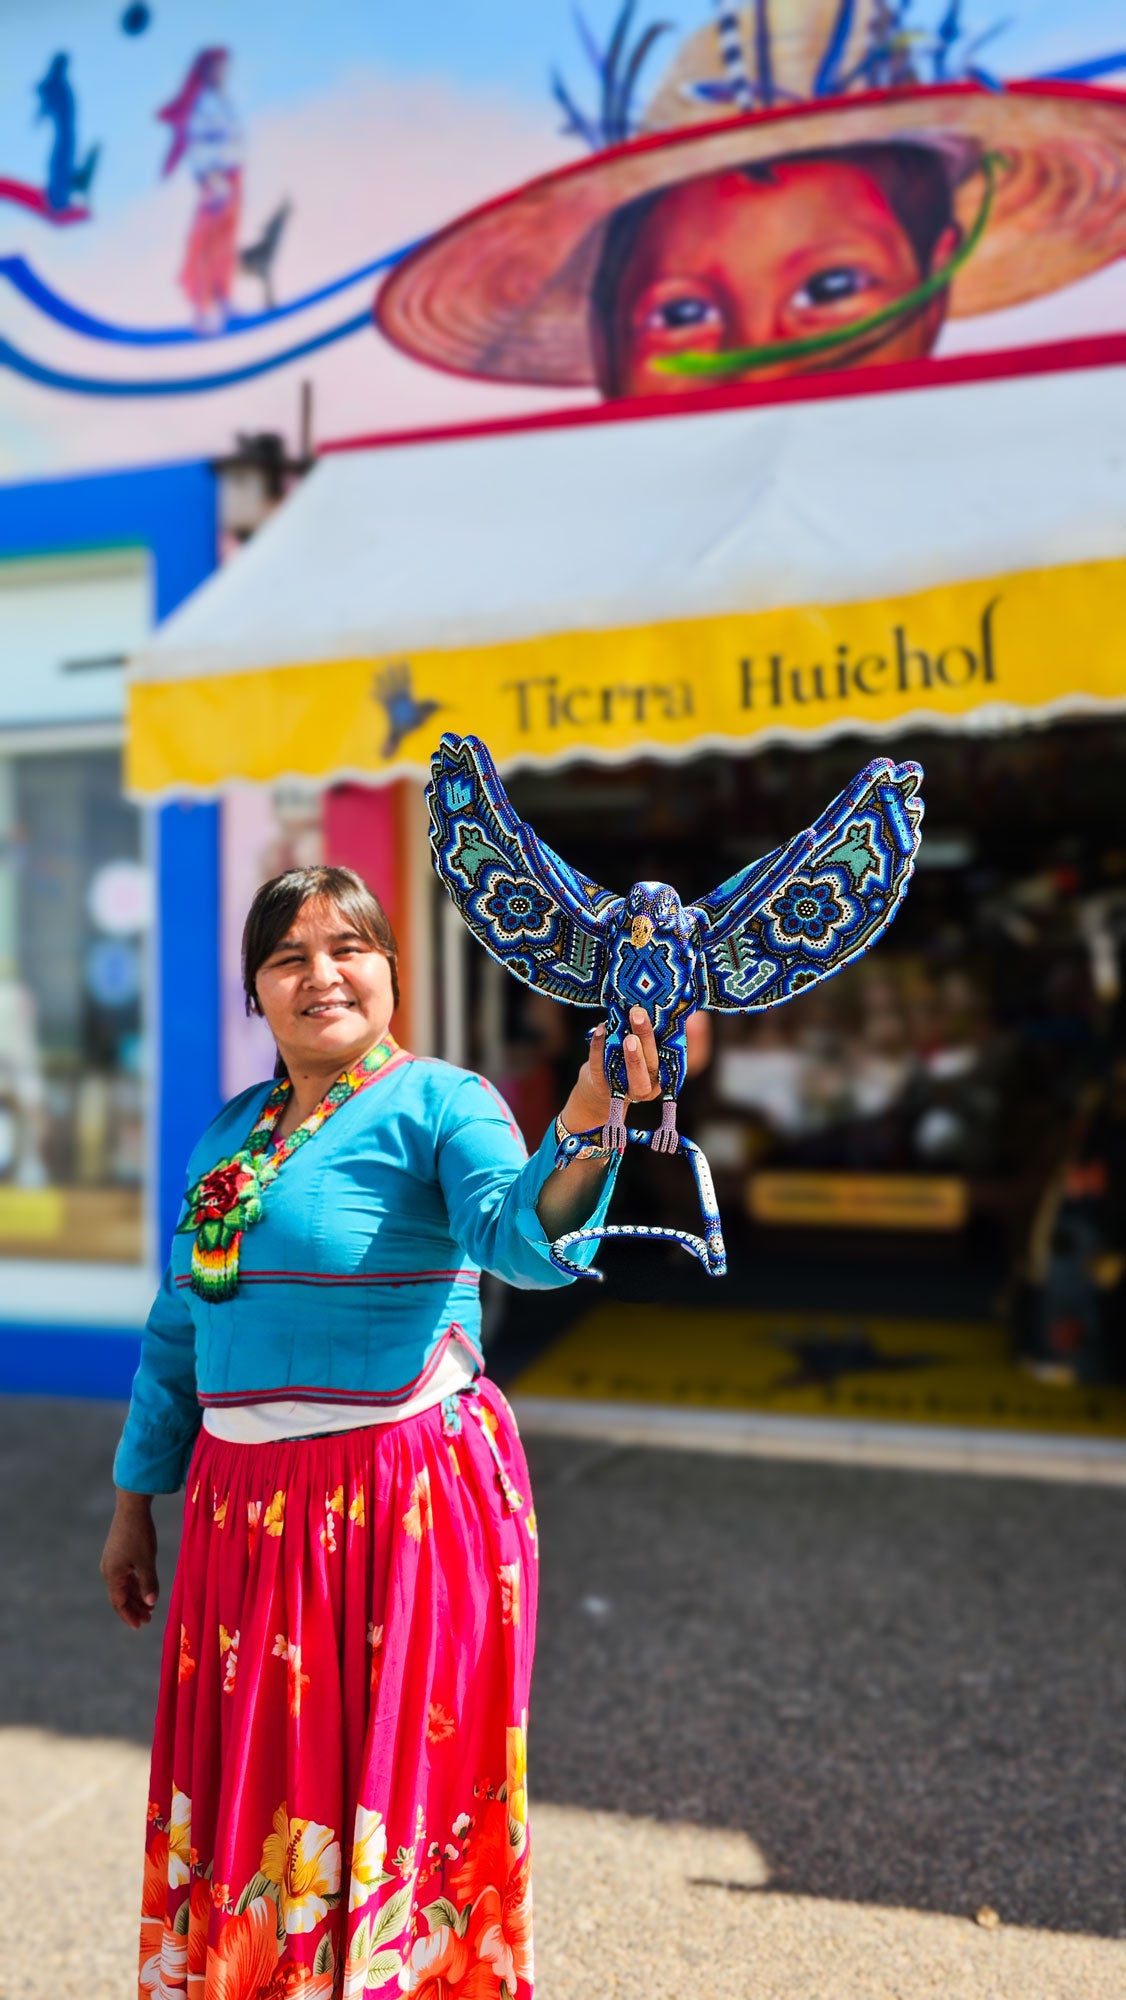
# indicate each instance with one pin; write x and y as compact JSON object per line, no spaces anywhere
{"x":31,"y":1214}
{"x":858,"y":1201}
{"x":1038,"y":642}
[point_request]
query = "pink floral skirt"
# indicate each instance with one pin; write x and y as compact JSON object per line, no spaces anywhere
{"x":338,"y":1800}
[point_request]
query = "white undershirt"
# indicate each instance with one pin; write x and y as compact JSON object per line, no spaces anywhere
{"x":263,"y":1423}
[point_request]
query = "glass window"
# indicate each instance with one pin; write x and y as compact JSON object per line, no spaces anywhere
{"x":74,"y":908}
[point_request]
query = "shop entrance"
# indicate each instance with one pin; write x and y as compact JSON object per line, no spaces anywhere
{"x":921,"y":1163}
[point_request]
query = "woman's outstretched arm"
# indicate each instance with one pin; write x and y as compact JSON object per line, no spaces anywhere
{"x":568,"y":1196}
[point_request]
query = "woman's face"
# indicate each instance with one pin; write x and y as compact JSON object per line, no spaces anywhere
{"x":324,"y":990}
{"x":728,"y":262}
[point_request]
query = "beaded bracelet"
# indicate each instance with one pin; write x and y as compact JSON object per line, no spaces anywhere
{"x":586,"y":1148}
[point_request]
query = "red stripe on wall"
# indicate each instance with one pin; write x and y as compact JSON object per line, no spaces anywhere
{"x":1050,"y":358}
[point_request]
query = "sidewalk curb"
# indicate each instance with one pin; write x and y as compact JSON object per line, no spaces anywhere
{"x":829,"y":1440}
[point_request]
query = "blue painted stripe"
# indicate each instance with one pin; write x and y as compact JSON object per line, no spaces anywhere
{"x":1083,"y":72}
{"x":45,"y":299}
{"x":190,"y":989}
{"x":65,"y":1361}
{"x":173,"y":385}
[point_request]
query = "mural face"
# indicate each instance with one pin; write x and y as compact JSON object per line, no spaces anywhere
{"x":462,"y":214}
{"x":764,"y":259}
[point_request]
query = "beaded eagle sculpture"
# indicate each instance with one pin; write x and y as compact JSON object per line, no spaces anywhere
{"x":775,"y":928}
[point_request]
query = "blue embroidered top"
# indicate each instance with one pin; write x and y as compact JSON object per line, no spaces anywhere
{"x":366,"y":1262}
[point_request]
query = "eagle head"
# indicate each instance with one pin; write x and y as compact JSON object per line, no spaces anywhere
{"x":652,"y":907}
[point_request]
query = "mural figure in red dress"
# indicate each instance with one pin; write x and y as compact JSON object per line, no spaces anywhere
{"x":207,"y":134}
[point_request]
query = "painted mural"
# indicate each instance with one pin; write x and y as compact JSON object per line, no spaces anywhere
{"x":430,"y":216}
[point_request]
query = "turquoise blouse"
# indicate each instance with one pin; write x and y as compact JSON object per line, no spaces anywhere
{"x":365,"y":1265}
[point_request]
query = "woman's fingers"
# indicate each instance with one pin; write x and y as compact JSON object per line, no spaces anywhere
{"x":641,"y":1084}
{"x":147,"y":1584}
{"x":640,"y":1049}
{"x":128,"y":1567}
{"x":129,"y":1596}
{"x":643,"y":1028}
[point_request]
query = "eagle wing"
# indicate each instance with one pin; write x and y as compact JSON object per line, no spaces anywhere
{"x":808,"y":909}
{"x":540,"y":918}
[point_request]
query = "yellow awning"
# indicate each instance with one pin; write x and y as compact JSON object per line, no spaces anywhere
{"x":660,"y":588}
{"x":1041,"y":642}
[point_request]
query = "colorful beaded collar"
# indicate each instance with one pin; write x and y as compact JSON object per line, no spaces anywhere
{"x":227,"y":1199}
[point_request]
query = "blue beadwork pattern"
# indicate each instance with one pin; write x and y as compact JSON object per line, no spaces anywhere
{"x":538,"y":917}
{"x":776,"y":927}
{"x":709,"y":1249}
{"x":806,"y":911}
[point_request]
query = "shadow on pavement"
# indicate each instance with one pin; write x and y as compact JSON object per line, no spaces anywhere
{"x":907,"y":1689}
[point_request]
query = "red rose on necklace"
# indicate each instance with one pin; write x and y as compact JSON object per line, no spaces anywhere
{"x":221,"y":1190}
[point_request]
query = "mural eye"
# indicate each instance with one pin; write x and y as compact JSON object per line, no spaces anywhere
{"x":831,"y":287}
{"x":687,"y":311}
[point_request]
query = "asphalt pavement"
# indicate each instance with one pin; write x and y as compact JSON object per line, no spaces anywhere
{"x":799,"y":1731}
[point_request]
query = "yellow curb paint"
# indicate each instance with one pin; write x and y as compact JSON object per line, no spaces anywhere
{"x":815,"y":1365}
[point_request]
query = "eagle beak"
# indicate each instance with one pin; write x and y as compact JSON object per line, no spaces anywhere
{"x":641,"y":930}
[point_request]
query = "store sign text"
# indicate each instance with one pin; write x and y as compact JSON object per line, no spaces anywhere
{"x":543,"y":702}
{"x":770,"y":681}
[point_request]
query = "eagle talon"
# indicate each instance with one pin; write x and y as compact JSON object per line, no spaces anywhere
{"x":614,"y":1131}
{"x":665,"y":1138}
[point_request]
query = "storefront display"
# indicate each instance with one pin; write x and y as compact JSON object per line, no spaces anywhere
{"x":941,"y":1127}
{"x":76,"y":909}
{"x":683,"y":632}
{"x":76,"y":903}
{"x":107,"y":925}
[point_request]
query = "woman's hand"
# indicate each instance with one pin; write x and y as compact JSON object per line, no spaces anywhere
{"x":129,"y":1559}
{"x":570,"y":1194}
{"x":588,"y":1106}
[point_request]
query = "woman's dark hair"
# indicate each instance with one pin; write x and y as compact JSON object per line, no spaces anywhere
{"x":276,"y":905}
{"x":914,"y":180}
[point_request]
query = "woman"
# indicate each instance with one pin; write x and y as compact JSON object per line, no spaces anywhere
{"x":206,"y":130}
{"x":338,"y":1789}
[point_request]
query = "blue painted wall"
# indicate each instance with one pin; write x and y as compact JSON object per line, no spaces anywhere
{"x":171,"y":510}
{"x":188,"y":974}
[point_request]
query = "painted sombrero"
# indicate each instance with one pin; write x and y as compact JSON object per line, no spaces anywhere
{"x":504,"y":291}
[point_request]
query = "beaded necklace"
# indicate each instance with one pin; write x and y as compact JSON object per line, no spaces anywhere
{"x":227,"y":1199}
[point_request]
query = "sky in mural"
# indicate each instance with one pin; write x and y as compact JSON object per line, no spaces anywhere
{"x":201,"y":203}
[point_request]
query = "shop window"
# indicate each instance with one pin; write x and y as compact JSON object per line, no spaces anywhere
{"x":74,"y":909}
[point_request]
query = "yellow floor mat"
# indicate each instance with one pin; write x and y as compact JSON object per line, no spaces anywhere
{"x":815,"y":1365}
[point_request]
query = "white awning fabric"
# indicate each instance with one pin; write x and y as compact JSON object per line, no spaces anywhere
{"x":615,"y":587}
